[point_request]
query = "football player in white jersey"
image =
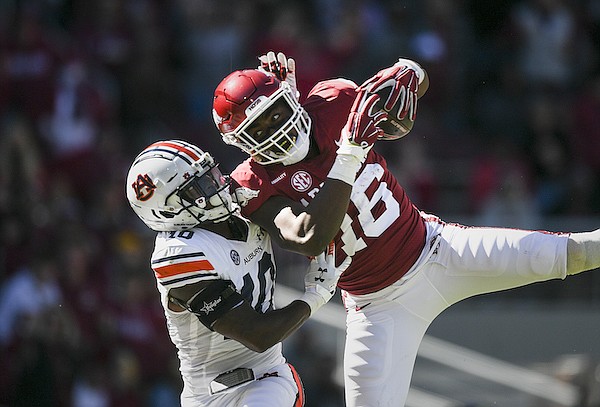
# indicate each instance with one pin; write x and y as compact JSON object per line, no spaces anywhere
{"x":215,"y":272}
{"x":320,"y":181}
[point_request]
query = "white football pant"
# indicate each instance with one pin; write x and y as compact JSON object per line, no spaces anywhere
{"x":280,"y":386}
{"x":385,"y":328}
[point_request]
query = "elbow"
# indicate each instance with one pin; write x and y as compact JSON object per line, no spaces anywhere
{"x":260,"y":345}
{"x":260,"y":339}
{"x":307,"y":247}
{"x":316,"y":246}
{"x":261,"y":349}
{"x":318,"y":241}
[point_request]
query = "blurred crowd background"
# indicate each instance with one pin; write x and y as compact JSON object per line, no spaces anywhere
{"x":508,"y":134}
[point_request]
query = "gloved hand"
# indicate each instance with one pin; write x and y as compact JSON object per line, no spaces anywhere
{"x":321,"y":278}
{"x":400,"y":83}
{"x":361,"y":130}
{"x":357,"y":137}
{"x":284,"y":69}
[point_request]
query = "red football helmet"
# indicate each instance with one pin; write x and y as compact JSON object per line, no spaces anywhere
{"x":242,"y":97}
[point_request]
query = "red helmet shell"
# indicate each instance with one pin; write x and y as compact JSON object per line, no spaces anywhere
{"x":236,"y":93}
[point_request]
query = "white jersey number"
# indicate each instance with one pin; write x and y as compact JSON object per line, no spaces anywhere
{"x":370,"y":226}
{"x":258,"y":287}
{"x":265,"y":281}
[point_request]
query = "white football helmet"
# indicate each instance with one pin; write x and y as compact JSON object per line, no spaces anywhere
{"x":174,"y":185}
{"x":242,"y":98}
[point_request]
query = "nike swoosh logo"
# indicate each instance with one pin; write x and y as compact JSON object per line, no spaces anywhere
{"x":361,"y":307}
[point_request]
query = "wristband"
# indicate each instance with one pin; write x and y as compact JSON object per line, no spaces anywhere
{"x":315,"y":297}
{"x":345,"y":167}
{"x":313,"y":301}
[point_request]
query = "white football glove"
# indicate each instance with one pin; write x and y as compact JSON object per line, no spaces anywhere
{"x":284,"y":69}
{"x":321,"y":279}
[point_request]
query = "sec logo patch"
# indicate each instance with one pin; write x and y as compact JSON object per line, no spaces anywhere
{"x":235,"y":257}
{"x":301,"y":181}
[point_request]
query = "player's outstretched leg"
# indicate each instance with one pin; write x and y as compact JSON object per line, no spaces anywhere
{"x":583,"y":252}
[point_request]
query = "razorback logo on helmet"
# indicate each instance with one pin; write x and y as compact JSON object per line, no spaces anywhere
{"x":144,"y":187}
{"x":218,"y":119}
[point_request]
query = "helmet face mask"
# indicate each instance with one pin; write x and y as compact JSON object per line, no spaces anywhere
{"x":173,"y":185}
{"x":208,"y":191}
{"x":245,"y":101}
{"x":197,"y":187}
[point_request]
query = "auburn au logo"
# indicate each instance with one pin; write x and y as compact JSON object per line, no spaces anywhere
{"x":143,"y":187}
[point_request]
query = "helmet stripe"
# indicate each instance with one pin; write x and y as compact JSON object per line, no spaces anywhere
{"x":181,"y":147}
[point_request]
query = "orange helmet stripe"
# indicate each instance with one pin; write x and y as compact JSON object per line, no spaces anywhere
{"x":180,"y":268}
{"x":177,"y":147}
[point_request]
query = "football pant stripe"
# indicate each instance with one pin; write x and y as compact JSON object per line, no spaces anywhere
{"x":300,"y":396}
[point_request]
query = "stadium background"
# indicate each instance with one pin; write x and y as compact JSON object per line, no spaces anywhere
{"x":508,"y":134}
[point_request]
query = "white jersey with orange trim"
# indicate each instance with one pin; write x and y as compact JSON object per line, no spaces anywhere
{"x":185,"y":257}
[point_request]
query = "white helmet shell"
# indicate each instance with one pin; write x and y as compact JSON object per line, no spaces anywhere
{"x":174,"y":185}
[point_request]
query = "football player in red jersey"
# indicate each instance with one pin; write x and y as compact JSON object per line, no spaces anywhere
{"x":315,"y":178}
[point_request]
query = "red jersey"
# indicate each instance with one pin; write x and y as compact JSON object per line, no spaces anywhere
{"x":382,"y":231}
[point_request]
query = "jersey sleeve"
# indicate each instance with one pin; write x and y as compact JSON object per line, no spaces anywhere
{"x":329,"y":104}
{"x":176,"y":265}
{"x":331,"y":89}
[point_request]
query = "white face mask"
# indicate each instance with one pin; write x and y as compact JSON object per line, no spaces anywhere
{"x":222,"y":206}
{"x":209,"y":197}
{"x":288,"y":145}
{"x":299,"y":151}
